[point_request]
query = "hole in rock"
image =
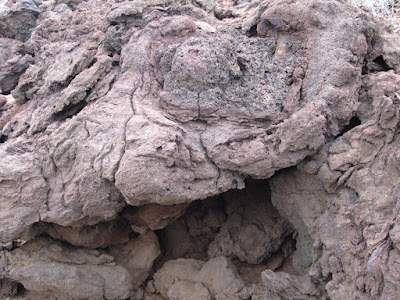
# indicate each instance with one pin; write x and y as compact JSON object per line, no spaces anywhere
{"x":253,"y":31}
{"x":241,"y":64}
{"x":354,"y":121}
{"x":9,"y":288}
{"x":20,"y":289}
{"x":3,"y":138}
{"x":379,"y":61}
{"x":241,"y":225}
{"x":69,"y":111}
{"x":377,"y":65}
{"x":329,"y":277}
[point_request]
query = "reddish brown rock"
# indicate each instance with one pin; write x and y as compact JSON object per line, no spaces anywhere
{"x":153,"y":216}
{"x":135,"y":109}
{"x":100,"y":235}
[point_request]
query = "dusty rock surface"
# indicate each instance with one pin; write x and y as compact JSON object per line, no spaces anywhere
{"x":198,"y":149}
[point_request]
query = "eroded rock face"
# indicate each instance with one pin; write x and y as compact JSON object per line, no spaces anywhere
{"x":75,"y":273}
{"x":127,"y":129}
{"x":100,"y":235}
{"x":247,"y":105}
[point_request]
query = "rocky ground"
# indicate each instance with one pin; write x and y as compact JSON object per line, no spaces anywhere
{"x":201,"y":149}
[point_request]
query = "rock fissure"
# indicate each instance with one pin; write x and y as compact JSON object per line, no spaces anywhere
{"x":124,"y":139}
{"x":209,"y":159}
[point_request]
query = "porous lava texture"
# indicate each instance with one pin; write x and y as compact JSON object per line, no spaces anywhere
{"x":198,"y":149}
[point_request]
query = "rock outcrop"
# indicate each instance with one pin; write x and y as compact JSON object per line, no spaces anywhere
{"x":198,"y":149}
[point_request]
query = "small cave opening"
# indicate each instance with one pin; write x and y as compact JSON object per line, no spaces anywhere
{"x":69,"y":111}
{"x":378,"y":64}
{"x":247,"y":230}
{"x":3,"y":138}
{"x":354,"y":122}
{"x":380,"y":61}
{"x":241,"y":225}
{"x":253,"y":31}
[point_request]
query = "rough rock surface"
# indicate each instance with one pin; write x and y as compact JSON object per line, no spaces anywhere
{"x":100,"y":235}
{"x":218,"y":276}
{"x":253,"y":230}
{"x":128,"y":127}
{"x":153,"y":216}
{"x":76,"y":273}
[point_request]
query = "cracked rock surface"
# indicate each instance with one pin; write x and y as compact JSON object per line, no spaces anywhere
{"x":198,"y":149}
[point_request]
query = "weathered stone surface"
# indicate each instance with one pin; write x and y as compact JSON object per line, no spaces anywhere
{"x":50,"y":268}
{"x":218,"y":275}
{"x":290,"y":287}
{"x":301,"y":208}
{"x":138,"y":256}
{"x":346,"y":200}
{"x":239,"y":99}
{"x":14,"y":60}
{"x":100,"y":235}
{"x":11,"y":71}
{"x":18,"y":20}
{"x":16,"y":172}
{"x":176,"y":270}
{"x":153,"y":216}
{"x":46,"y":267}
{"x":186,"y":290}
{"x":8,"y":108}
{"x":8,"y":288}
{"x":115,"y":115}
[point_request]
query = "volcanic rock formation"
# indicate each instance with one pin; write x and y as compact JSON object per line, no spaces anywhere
{"x":198,"y":149}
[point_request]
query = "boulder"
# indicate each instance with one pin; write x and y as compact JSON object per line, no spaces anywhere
{"x":51,"y":268}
